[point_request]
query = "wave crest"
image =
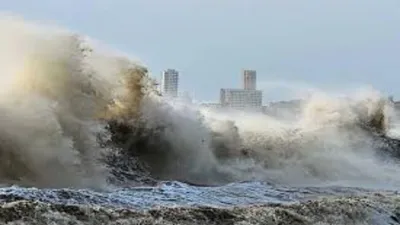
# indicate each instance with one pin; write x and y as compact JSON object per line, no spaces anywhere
{"x":76,"y":114}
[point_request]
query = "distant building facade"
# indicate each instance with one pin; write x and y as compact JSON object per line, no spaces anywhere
{"x":247,"y":97}
{"x":241,"y":98}
{"x":287,"y":109}
{"x":211,"y":105}
{"x":249,"y":79}
{"x":169,"y":83}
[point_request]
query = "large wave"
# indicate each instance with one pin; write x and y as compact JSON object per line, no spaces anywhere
{"x":55,"y":93}
{"x":75,"y":114}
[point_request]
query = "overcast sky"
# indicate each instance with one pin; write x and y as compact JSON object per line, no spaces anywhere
{"x":292,"y":44}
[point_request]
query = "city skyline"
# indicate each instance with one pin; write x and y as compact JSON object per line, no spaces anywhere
{"x":336,"y":45}
{"x":249,"y":83}
{"x":240,"y":98}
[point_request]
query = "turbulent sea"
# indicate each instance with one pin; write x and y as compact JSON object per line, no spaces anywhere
{"x":85,"y":138}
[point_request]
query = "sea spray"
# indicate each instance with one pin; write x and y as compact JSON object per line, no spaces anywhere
{"x":333,"y":140}
{"x":54,"y":100}
{"x":77,"y":115}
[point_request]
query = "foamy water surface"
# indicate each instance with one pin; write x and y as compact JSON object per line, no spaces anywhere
{"x":174,"y":194}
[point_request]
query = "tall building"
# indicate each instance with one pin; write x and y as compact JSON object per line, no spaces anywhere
{"x":249,"y":79}
{"x":247,"y":98}
{"x":169,"y":83}
{"x":241,"y":98}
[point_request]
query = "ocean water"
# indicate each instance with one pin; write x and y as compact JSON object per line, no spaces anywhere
{"x":309,"y":205}
{"x":176,"y":194}
{"x":173,"y":194}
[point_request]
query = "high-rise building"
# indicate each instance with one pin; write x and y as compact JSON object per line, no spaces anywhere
{"x":249,"y":79}
{"x":241,"y":98}
{"x":169,"y":83}
{"x":247,"y":98}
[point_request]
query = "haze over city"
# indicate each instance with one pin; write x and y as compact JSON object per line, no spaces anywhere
{"x":331,"y":45}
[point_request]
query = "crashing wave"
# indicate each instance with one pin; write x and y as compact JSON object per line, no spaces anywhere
{"x":74,"y":114}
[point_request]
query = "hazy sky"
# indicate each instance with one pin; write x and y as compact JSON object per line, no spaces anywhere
{"x":327,"y":44}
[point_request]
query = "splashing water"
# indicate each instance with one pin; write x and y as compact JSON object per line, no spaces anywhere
{"x":326,"y":143}
{"x":74,"y":114}
{"x":54,"y":93}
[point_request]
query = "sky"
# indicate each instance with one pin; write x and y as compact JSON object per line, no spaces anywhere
{"x":293,"y":45}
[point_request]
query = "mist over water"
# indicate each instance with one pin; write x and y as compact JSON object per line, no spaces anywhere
{"x":61,"y":91}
